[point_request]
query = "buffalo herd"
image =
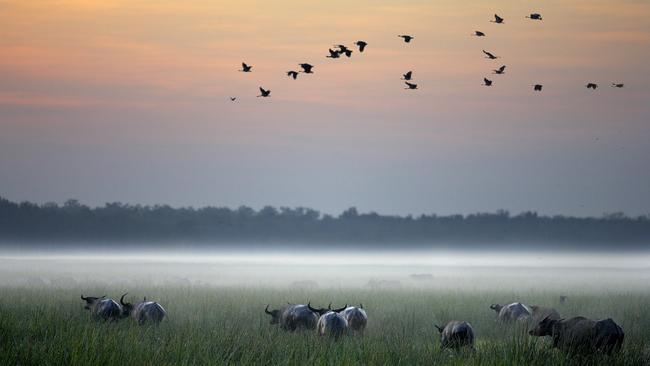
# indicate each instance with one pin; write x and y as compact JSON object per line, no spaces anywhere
{"x":142,"y":312}
{"x":577,"y":334}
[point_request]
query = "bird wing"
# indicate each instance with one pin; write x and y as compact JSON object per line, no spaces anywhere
{"x":487,"y":81}
{"x":243,"y":65}
{"x":262,"y":90}
{"x":502,"y":68}
{"x":497,"y":18}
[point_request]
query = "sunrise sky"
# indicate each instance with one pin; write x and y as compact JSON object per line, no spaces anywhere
{"x":128,"y":101}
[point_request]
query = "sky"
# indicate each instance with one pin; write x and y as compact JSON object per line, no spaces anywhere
{"x":128,"y":101}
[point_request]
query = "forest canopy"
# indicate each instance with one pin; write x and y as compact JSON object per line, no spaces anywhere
{"x":29,"y":222}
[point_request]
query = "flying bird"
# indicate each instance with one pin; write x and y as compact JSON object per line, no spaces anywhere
{"x":307,"y":68}
{"x":592,"y":86}
{"x":245,"y":68}
{"x":342,"y":48}
{"x":534,"y":16}
{"x":333,"y":54}
{"x":537,"y":87}
{"x":406,"y":38}
{"x":232,"y":99}
{"x":497,"y":19}
{"x":615,"y":85}
{"x":501,"y":70}
{"x":478,"y":34}
{"x":410,"y":86}
{"x":487,"y":82}
{"x":292,"y":74}
{"x":362,"y":45}
{"x":265,"y":93}
{"x":490,"y":55}
{"x":407,"y":76}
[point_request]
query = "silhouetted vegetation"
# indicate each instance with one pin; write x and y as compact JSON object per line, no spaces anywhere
{"x":73,"y":221}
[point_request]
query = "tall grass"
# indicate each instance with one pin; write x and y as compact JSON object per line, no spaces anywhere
{"x":208,"y":325}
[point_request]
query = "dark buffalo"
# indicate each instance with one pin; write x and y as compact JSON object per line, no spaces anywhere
{"x":456,"y":334}
{"x":582,"y":335}
{"x":102,"y":308}
{"x":144,"y":311}
{"x":539,"y":313}
{"x":293,"y":317}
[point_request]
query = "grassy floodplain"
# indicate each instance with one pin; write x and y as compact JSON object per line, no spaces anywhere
{"x":42,"y":320}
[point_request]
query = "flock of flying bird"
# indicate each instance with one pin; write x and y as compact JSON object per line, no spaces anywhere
{"x":340,"y":50}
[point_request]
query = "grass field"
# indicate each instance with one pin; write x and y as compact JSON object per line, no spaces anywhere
{"x":45,"y":324}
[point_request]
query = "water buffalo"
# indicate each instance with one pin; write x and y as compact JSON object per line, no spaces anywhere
{"x":144,"y":311}
{"x":331,"y":322}
{"x":102,"y":308}
{"x":539,"y":313}
{"x":456,"y":334}
{"x":356,"y":317}
{"x":293,"y":316}
{"x":582,"y":335}
{"x":511,"y":312}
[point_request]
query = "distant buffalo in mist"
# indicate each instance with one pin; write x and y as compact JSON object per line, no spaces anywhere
{"x":511,"y":312}
{"x":421,"y":276}
{"x":304,"y":285}
{"x":331,"y":322}
{"x":582,"y":335}
{"x":456,"y":334}
{"x":144,"y":311}
{"x":376,"y":284}
{"x":293,"y":317}
{"x":356,"y":317}
{"x":102,"y":308}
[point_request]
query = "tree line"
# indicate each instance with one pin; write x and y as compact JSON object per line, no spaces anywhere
{"x":27,"y":222}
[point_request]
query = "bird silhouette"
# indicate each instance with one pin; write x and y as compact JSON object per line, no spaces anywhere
{"x":362,"y":45}
{"x":534,"y":16}
{"x":333,"y":54}
{"x":537,"y":87}
{"x":406,"y":38}
{"x":497,"y":19}
{"x":410,"y":85}
{"x":490,"y":55}
{"x":478,"y":34}
{"x":616,"y":85}
{"x":265,"y":93}
{"x":592,"y":86}
{"x":487,"y":82}
{"x":292,"y":74}
{"x":342,"y":48}
{"x":501,"y":70}
{"x":232,"y":99}
{"x":407,"y":76}
{"x":307,"y":68}
{"x":245,"y":68}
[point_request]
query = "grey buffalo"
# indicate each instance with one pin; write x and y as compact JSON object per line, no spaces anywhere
{"x":456,"y":334}
{"x":511,"y":312}
{"x":293,"y":317}
{"x":102,"y":308}
{"x":144,"y":311}
{"x":582,"y":335}
{"x":356,"y":317}
{"x":331,"y":322}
